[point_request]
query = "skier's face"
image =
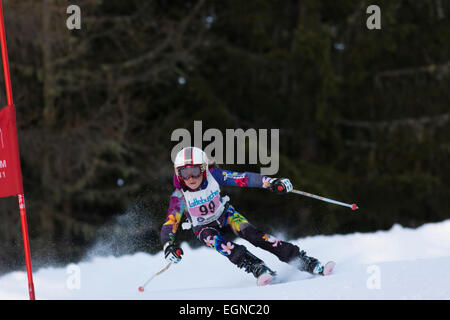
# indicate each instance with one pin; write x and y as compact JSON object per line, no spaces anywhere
{"x":193,"y":183}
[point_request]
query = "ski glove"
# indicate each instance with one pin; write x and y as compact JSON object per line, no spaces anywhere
{"x":280,"y":185}
{"x":172,"y":252}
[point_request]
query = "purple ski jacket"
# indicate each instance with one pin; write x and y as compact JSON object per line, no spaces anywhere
{"x":177,"y":205}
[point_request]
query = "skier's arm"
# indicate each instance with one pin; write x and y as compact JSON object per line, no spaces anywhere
{"x":239,"y":179}
{"x":177,"y":206}
{"x":251,"y":180}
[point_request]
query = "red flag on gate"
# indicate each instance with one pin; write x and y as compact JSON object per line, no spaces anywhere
{"x":10,"y":171}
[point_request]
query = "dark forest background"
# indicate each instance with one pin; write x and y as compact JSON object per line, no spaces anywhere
{"x":363,"y":114}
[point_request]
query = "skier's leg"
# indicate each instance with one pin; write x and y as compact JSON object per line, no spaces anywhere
{"x":237,"y":254}
{"x":213,"y":238}
{"x":285,"y":251}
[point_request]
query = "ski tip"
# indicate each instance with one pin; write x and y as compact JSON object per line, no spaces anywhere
{"x":328,"y":268}
{"x":354,"y":207}
{"x":141,"y":289}
{"x":264,"y":279}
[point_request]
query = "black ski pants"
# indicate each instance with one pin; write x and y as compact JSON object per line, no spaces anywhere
{"x":214,"y":235}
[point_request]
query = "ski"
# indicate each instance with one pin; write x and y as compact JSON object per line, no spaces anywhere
{"x":328,"y":268}
{"x":265,"y":279}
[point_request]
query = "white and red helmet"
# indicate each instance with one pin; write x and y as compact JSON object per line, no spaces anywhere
{"x":190,"y":156}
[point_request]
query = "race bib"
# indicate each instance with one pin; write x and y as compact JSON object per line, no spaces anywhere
{"x":205,"y":205}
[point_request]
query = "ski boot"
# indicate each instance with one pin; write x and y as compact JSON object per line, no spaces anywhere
{"x":256,"y":266}
{"x":312,"y":265}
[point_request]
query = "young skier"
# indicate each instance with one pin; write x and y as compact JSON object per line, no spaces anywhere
{"x":197,"y":195}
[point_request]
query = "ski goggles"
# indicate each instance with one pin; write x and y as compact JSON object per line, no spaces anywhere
{"x":187,"y":172}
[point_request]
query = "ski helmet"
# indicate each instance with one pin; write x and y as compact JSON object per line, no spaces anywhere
{"x":190,"y":156}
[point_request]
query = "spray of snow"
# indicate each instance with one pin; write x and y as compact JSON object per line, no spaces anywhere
{"x":125,"y":233}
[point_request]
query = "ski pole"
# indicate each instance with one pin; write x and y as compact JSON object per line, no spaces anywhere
{"x":352,"y":206}
{"x":141,"y":288}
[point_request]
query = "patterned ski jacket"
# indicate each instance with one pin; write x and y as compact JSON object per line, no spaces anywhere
{"x":204,"y":205}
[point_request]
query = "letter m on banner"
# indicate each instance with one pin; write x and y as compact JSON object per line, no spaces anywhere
{"x":10,"y":171}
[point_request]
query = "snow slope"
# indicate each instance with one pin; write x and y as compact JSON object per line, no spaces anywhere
{"x":399,"y":263}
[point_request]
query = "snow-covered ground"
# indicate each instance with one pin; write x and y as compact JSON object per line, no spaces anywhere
{"x":396,"y":264}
